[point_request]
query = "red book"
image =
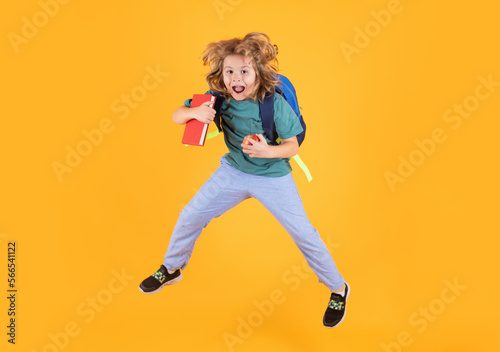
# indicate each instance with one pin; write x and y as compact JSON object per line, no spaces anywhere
{"x":195,"y":131}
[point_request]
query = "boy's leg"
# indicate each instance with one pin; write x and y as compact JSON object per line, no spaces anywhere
{"x":220,"y":193}
{"x":280,"y":196}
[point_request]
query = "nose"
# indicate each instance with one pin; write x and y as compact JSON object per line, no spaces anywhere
{"x":236,"y":77}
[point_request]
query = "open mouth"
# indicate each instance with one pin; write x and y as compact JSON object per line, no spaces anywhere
{"x":238,"y":89}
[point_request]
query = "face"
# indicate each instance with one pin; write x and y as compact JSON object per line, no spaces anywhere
{"x":239,"y":76}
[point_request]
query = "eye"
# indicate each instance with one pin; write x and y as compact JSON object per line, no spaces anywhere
{"x":244,"y":71}
{"x":229,"y":72}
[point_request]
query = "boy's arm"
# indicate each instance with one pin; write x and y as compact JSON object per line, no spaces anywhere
{"x":288,"y":148}
{"x":203,"y":113}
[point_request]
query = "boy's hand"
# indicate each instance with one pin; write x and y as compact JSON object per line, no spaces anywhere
{"x":257,"y":149}
{"x":203,"y":113}
{"x":260,"y":149}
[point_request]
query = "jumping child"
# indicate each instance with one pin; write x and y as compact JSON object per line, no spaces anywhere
{"x":245,"y":71}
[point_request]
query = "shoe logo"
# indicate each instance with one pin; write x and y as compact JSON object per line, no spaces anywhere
{"x":336,"y":305}
{"x":159,"y":276}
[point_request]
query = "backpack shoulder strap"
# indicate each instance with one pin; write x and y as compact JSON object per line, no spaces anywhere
{"x":219,"y":99}
{"x":267,"y":116}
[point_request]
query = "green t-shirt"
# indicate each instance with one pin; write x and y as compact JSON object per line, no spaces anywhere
{"x":241,"y":118}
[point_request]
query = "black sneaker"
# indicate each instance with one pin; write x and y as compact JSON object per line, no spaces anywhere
{"x":155,"y":282}
{"x":335,"y":312}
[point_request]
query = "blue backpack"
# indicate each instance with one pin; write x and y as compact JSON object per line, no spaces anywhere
{"x":287,"y":91}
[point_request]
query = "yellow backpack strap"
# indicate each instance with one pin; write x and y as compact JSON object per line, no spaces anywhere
{"x":213,"y":134}
{"x":299,"y":162}
{"x":303,"y":166}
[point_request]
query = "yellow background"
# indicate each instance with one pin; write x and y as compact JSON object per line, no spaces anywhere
{"x":399,"y":248}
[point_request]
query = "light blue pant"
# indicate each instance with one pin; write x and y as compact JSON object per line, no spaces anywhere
{"x":228,"y":187}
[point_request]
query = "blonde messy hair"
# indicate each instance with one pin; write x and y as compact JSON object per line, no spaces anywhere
{"x":256,"y":46}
